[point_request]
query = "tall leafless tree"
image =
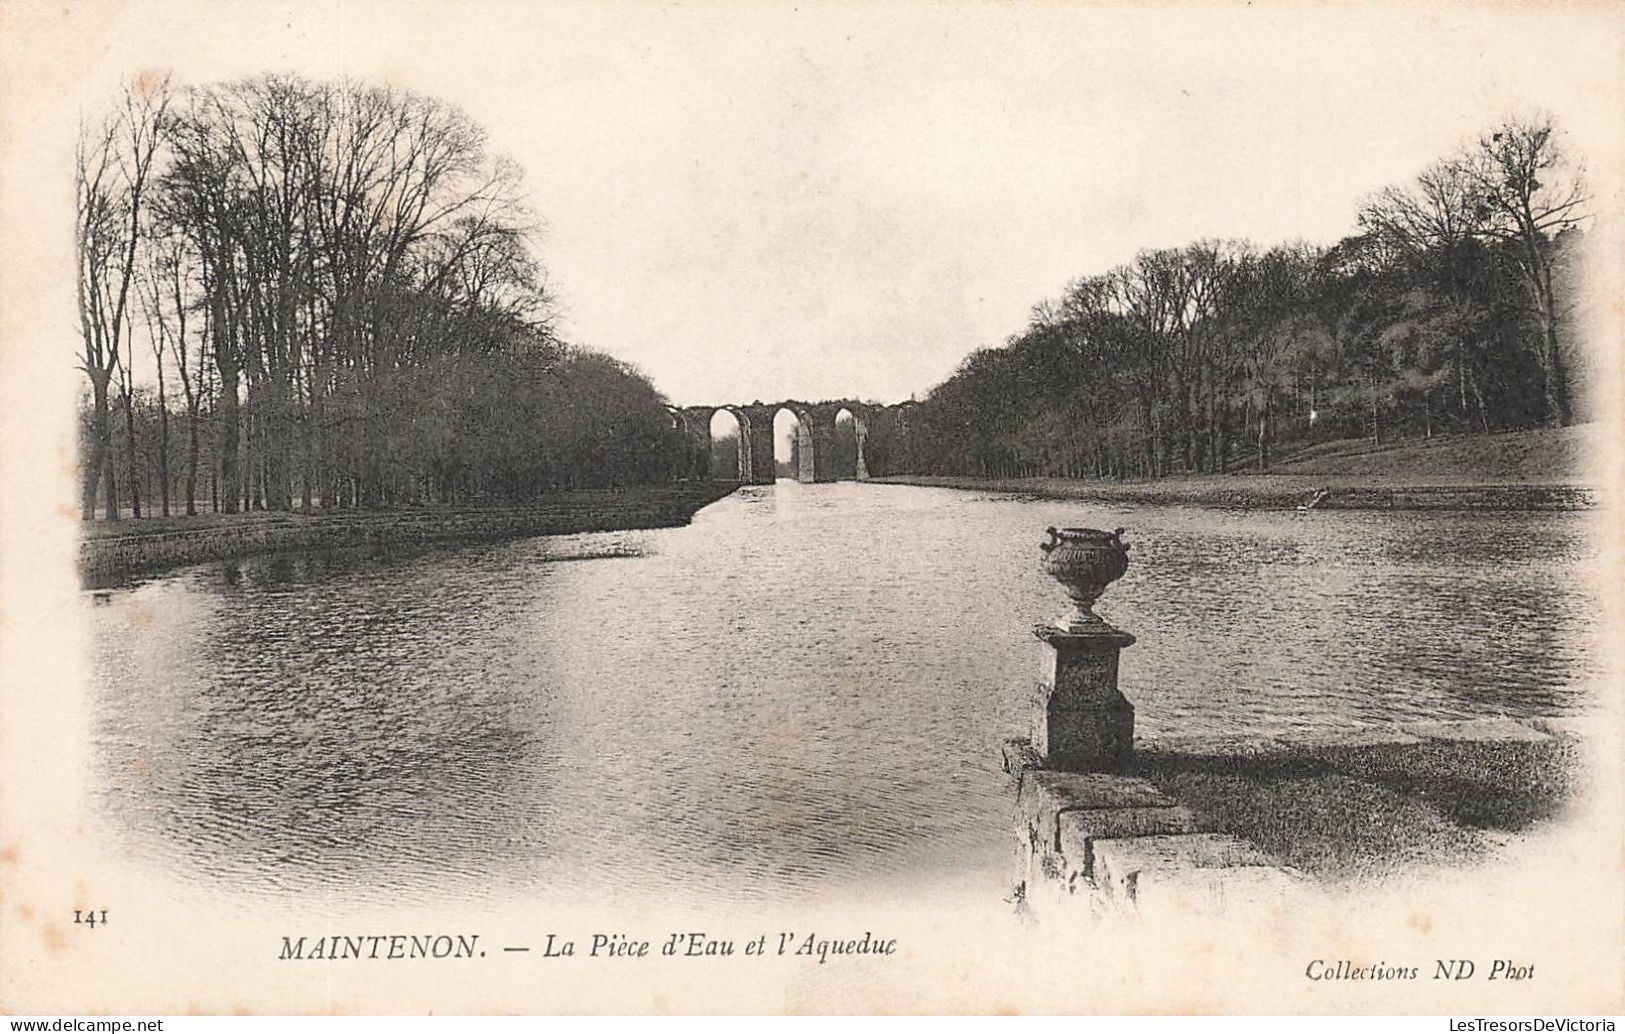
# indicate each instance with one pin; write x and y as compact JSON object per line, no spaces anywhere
{"x":114,"y":163}
{"x":1529,"y":194}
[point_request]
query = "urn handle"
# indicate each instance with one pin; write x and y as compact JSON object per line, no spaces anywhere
{"x":1117,"y":533}
{"x":1054,"y":539}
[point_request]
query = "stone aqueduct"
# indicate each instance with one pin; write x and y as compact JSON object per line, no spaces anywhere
{"x":818,"y":443}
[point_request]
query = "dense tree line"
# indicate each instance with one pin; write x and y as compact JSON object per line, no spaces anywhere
{"x":1448,"y":309}
{"x":301,"y":294}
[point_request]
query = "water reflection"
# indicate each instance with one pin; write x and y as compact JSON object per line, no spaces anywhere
{"x":804,"y":689}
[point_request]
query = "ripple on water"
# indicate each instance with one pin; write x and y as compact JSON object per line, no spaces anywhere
{"x":803,"y":689}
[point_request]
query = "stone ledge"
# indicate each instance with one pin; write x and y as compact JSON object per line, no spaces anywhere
{"x":1118,"y":858}
{"x":1571,"y":726}
{"x":1362,"y":736}
{"x":111,"y":555}
{"x":1099,"y":843}
{"x":1476,"y":730}
{"x":1078,"y":831}
{"x":1239,"y":891}
{"x":1407,"y":734}
{"x":1045,"y":795}
{"x":1020,"y":757}
{"x":1191,"y":872}
{"x":1107,"y":844}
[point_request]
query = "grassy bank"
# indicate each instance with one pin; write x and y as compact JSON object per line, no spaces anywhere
{"x":1524,"y":470}
{"x":1358,"y":814}
{"x":1558,"y":456}
{"x":114,"y":552}
{"x":1278,"y":492}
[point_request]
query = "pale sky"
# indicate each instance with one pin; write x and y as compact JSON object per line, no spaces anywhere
{"x":747,"y":200}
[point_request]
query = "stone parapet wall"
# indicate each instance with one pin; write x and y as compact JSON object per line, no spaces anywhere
{"x":1103,"y":844}
{"x":1098,"y":844}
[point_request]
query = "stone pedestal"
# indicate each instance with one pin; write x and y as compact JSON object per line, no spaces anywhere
{"x":1081,"y":723}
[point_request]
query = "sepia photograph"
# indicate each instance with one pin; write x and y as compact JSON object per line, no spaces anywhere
{"x":935,"y":507}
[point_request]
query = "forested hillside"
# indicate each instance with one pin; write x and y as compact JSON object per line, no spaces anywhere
{"x":1450,"y":308}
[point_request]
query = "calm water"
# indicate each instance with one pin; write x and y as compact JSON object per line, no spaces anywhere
{"x":803,"y":690}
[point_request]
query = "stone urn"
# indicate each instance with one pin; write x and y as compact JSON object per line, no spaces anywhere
{"x":1084,"y":561}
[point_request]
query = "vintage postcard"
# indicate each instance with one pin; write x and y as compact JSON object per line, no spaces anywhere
{"x":767,"y":508}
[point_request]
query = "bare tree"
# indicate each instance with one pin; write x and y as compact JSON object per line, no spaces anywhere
{"x":1529,"y":194}
{"x":201,"y":194}
{"x":341,"y":274}
{"x":164,"y":303}
{"x":1210,"y":273}
{"x":114,"y":160}
{"x":1153,"y":294}
{"x":132,"y":472}
{"x":1270,"y":324}
{"x":1438,"y":222}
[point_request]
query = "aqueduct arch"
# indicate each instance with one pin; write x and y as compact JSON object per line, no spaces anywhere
{"x":819,"y":440}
